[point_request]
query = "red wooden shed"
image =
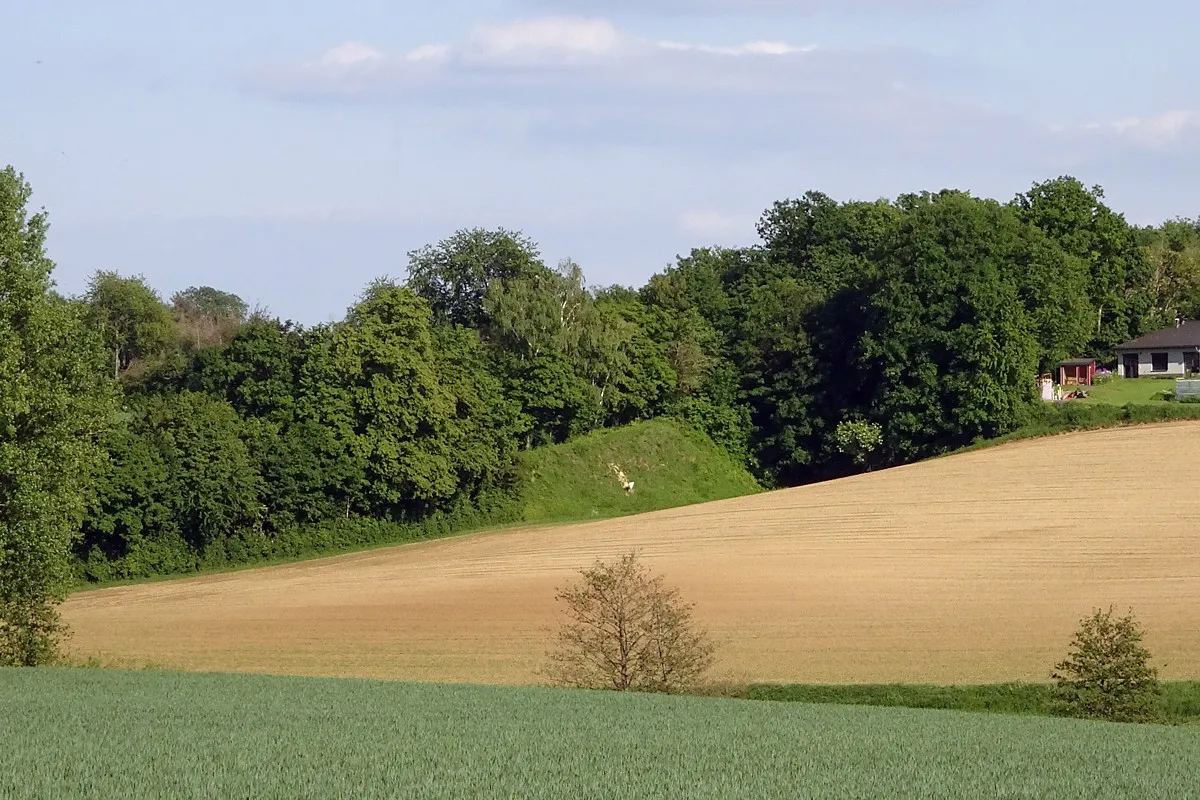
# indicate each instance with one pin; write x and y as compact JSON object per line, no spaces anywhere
{"x":1077,"y":372}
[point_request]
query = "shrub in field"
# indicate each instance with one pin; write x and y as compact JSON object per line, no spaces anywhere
{"x":1107,"y":674}
{"x":858,"y":439}
{"x":626,"y":630}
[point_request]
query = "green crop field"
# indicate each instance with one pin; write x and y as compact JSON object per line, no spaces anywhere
{"x":96,"y":733}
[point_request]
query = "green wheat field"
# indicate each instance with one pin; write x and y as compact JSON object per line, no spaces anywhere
{"x":86,"y":733}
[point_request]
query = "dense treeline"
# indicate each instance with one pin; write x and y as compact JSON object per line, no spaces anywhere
{"x":856,"y":335}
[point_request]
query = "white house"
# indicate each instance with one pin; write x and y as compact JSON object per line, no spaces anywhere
{"x":1173,"y":351}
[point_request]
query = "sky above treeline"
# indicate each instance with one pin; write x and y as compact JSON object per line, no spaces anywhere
{"x":292,"y":150}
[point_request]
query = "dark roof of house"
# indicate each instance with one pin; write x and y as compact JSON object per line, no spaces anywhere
{"x":1185,"y":334}
{"x":1077,"y":362}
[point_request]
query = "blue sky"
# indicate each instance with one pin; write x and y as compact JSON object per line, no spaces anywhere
{"x":292,"y":151}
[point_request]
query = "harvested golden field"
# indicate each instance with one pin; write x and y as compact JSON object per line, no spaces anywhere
{"x":972,"y":568}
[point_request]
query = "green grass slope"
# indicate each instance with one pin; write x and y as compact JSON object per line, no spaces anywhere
{"x":669,"y":464}
{"x":95,"y":733}
{"x":1123,"y":391}
{"x":1178,"y":704}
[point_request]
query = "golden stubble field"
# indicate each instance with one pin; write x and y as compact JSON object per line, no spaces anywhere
{"x":972,"y":568}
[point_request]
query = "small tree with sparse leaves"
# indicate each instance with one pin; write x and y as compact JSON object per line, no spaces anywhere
{"x":627,"y":631}
{"x":1107,"y":674}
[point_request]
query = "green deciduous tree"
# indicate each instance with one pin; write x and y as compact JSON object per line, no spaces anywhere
{"x":180,"y":470}
{"x":54,"y":402}
{"x":1173,"y":253}
{"x":132,"y":318}
{"x":948,"y":340}
{"x":556,"y":350}
{"x":454,"y":275}
{"x":1107,"y":673}
{"x":1077,"y":219}
{"x":412,"y":407}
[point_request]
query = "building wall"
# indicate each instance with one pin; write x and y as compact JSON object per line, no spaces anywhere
{"x":1145,"y":362}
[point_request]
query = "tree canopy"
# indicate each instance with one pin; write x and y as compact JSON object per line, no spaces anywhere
{"x":855,"y":335}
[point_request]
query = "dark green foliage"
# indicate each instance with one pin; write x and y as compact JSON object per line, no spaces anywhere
{"x":178,"y":469}
{"x":948,"y":341}
{"x":379,"y":385}
{"x":1107,"y":673}
{"x":454,"y":275}
{"x":172,"y":556}
{"x":1077,"y":219}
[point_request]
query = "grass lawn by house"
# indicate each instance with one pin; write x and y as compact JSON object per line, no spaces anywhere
{"x":1120,"y":391}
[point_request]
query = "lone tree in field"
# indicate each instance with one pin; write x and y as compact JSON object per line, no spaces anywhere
{"x":627,"y":631}
{"x":1107,"y":674}
{"x":54,"y":400}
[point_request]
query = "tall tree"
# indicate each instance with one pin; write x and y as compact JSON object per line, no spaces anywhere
{"x":554,"y":350}
{"x":132,"y":318}
{"x":1173,"y":252}
{"x":54,"y":402}
{"x":380,"y":388}
{"x":948,"y":338}
{"x":1118,"y":273}
{"x":454,"y":275}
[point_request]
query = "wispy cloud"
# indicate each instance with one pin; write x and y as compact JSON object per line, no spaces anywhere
{"x":583,"y":77}
{"x":579,"y":81}
{"x":1159,"y":130}
{"x":549,"y":38}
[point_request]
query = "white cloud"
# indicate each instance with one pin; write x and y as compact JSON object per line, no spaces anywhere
{"x":748,"y":49}
{"x":428,"y":52}
{"x":561,"y":37}
{"x":351,"y":54}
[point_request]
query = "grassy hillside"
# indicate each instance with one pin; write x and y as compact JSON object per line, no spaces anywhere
{"x":95,"y":733}
{"x":669,"y":464}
